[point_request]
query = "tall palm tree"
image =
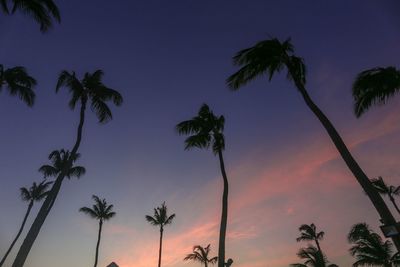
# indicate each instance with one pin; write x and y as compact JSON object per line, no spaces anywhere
{"x":375,"y":86}
{"x":389,"y":190}
{"x":200,"y":254}
{"x":206,"y":130}
{"x":100,"y":211}
{"x":369,"y":248}
{"x":31,"y":195}
{"x":18,"y":82}
{"x":92,"y":89}
{"x":43,"y":12}
{"x":309,"y":233}
{"x":313,"y":258}
{"x":271,"y":56}
{"x":161,"y":219}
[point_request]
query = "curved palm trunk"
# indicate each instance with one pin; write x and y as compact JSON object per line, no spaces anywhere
{"x":98,"y":243}
{"x":224,"y":215}
{"x":49,"y":201}
{"x":351,"y":163}
{"x":160,"y":249}
{"x":394,"y":204}
{"x":18,"y":234}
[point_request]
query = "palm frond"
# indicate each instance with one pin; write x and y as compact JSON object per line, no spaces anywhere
{"x":169,"y":220}
{"x":89,"y":212}
{"x":4,"y":6}
{"x":151,"y":220}
{"x":374,"y":87}
{"x":20,"y":83}
{"x":42,"y":11}
{"x":48,"y":171}
{"x":25,"y":194}
{"x":76,"y":171}
{"x":266,"y":58}
{"x":380,"y":185}
{"x":102,"y":111}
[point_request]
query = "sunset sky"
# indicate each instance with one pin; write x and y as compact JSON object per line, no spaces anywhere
{"x":167,"y":58}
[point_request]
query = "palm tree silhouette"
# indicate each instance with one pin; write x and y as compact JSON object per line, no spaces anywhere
{"x":161,"y":219}
{"x":42,"y":11}
{"x":375,"y":86}
{"x":34,"y":194}
{"x":60,"y":160}
{"x":100,"y":211}
{"x":388,"y":190}
{"x":369,"y":248}
{"x":309,"y":233}
{"x":271,"y":56}
{"x":205,"y":130}
{"x":313,"y":258}
{"x":90,"y":88}
{"x":18,"y":82}
{"x":200,"y":254}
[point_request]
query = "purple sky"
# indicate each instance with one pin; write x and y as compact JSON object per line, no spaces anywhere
{"x":167,"y":58}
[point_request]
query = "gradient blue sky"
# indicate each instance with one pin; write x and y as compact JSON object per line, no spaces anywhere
{"x":167,"y":58}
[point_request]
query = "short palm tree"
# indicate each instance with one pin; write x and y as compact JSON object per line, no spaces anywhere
{"x":369,"y":248}
{"x":43,"y":12}
{"x":309,"y":233}
{"x":102,"y":212}
{"x":200,"y":254}
{"x":18,"y":82}
{"x":160,"y":219}
{"x":271,"y":56}
{"x":206,"y":130}
{"x":313,"y":258}
{"x":390,"y":190}
{"x":375,"y":86}
{"x":31,"y":195}
{"x":92,"y":89}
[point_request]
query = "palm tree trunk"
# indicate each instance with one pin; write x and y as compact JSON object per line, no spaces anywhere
{"x":361,"y":177}
{"x":394,"y":204}
{"x":224,"y":215}
{"x":160,"y":249}
{"x":318,"y":246}
{"x":18,"y":234}
{"x":49,"y":201}
{"x":205,"y":263}
{"x":80,"y":127}
{"x":98,"y":243}
{"x":37,"y":223}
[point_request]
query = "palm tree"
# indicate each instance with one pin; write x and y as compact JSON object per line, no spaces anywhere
{"x":375,"y":86}
{"x":161,"y":219}
{"x":61,"y":163}
{"x":313,"y":258}
{"x":100,"y":211}
{"x":90,"y":88}
{"x":271,"y":56}
{"x":369,"y":248}
{"x":18,"y":82}
{"x":389,"y":190}
{"x":205,"y":130}
{"x":309,"y":233}
{"x":42,"y":11}
{"x":200,"y":254}
{"x":34,"y":194}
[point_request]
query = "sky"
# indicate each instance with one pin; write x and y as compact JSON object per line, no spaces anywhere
{"x":167,"y":58}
